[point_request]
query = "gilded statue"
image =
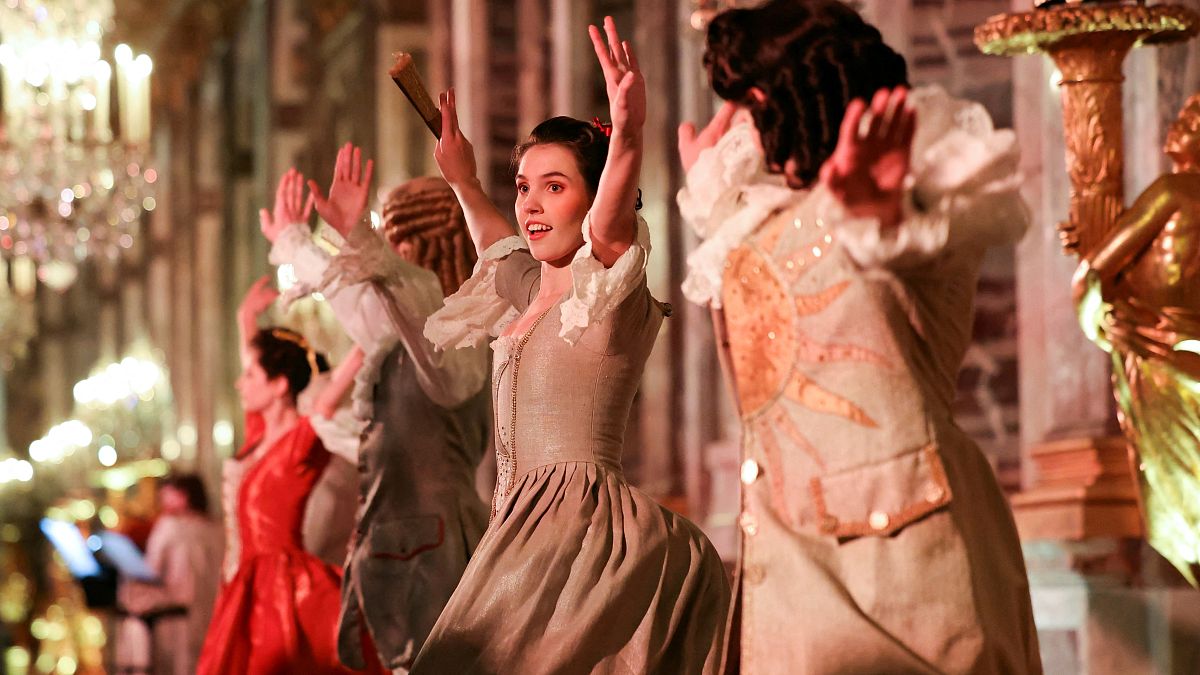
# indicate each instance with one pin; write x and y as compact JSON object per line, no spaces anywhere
{"x":1138,"y":297}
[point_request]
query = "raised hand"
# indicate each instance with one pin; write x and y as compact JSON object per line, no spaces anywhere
{"x":260,"y":297}
{"x":867,"y":169}
{"x":453,"y":153}
{"x":622,"y":79}
{"x":348,"y":192}
{"x":290,"y":206}
{"x":691,"y":144}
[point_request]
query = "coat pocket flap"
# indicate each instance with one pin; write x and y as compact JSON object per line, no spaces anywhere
{"x":405,"y":538}
{"x":880,"y":499}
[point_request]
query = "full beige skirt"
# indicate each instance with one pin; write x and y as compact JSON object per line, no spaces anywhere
{"x":581,"y":573}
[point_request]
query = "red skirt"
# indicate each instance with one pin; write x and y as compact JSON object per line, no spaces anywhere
{"x":278,"y":616}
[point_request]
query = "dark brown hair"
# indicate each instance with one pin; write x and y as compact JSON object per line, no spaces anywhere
{"x":810,"y":58}
{"x":585,"y":140}
{"x":192,"y":488}
{"x":285,"y":353}
{"x":425,"y":213}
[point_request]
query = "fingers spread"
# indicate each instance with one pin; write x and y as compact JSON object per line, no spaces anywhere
{"x":614,"y":40}
{"x":852,"y":121}
{"x":308,"y":207}
{"x":356,"y":165}
{"x":631,"y":61}
{"x":879,"y":105}
{"x":318,"y":197}
{"x":602,"y":53}
{"x":370,"y":171}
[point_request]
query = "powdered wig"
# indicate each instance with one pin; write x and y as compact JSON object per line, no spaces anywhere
{"x":425,"y":213}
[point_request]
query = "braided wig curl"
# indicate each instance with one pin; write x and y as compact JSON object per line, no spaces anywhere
{"x":810,"y":58}
{"x":425,"y":213}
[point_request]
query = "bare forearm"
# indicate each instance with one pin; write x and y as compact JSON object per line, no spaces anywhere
{"x":247,"y":326}
{"x":1135,"y":231}
{"x":484,"y":220}
{"x":341,"y":382}
{"x":614,"y":221}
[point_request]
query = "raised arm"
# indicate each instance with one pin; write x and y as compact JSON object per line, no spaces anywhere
{"x":340,"y":383}
{"x":1133,"y":232}
{"x":348,"y":193}
{"x":867,"y":169}
{"x":613,"y":216}
{"x":1136,"y":229}
{"x":455,"y":158}
{"x":260,"y":297}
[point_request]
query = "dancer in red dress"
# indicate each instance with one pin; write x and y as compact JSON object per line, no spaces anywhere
{"x":279,"y":613}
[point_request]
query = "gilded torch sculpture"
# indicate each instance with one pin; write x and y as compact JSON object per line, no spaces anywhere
{"x":1138,"y":284}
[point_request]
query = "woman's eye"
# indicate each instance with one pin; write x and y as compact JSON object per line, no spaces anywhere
{"x":554,"y":187}
{"x":522,"y":189}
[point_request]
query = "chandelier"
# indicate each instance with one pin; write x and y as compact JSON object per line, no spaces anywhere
{"x":74,"y":144}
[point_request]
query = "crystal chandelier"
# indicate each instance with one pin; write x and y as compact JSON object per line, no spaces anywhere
{"x":74,"y":145}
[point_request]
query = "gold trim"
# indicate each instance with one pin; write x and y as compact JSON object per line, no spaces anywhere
{"x":1031,"y":32}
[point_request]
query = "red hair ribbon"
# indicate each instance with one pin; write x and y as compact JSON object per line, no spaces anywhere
{"x":606,"y":128}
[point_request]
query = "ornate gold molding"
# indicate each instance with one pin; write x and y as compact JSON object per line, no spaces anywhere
{"x":1034,"y":31}
{"x":1089,"y":43}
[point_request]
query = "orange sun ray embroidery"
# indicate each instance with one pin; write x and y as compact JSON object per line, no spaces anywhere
{"x":812,"y":396}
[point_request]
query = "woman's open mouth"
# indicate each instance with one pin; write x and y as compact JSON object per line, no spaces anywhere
{"x":537,"y":230}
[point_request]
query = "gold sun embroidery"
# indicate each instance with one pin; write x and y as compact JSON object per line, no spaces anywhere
{"x":769,"y":347}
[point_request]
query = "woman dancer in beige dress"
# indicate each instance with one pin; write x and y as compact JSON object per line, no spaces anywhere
{"x":875,"y":537}
{"x":578,"y":572}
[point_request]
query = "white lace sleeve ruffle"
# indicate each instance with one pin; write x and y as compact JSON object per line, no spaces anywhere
{"x":339,"y":434}
{"x":476,"y":312}
{"x":597,"y":290}
{"x":963,"y":189}
{"x":728,"y":194}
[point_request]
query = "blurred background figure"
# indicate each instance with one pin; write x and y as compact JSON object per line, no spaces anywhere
{"x":167,"y":617}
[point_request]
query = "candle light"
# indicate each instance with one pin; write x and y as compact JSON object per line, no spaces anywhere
{"x":124,"y":58}
{"x":102,"y":74}
{"x":143,"y":66}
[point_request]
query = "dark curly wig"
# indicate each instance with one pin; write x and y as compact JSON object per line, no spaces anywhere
{"x":285,"y":353}
{"x":810,"y":58}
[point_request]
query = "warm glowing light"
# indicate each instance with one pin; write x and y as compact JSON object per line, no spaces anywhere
{"x":223,"y":433}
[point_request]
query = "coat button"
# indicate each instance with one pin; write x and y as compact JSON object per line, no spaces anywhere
{"x":748,"y":523}
{"x":879,"y":520}
{"x":750,"y":471}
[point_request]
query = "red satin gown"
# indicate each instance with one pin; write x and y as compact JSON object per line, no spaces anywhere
{"x":279,"y":613}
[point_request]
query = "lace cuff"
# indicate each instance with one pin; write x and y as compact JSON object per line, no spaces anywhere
{"x":963,"y":191}
{"x":728,"y":194}
{"x":597,"y":290}
{"x":476,"y":311}
{"x":364,"y":257}
{"x":340,"y":434}
{"x":295,"y":246}
{"x":715,"y":180}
